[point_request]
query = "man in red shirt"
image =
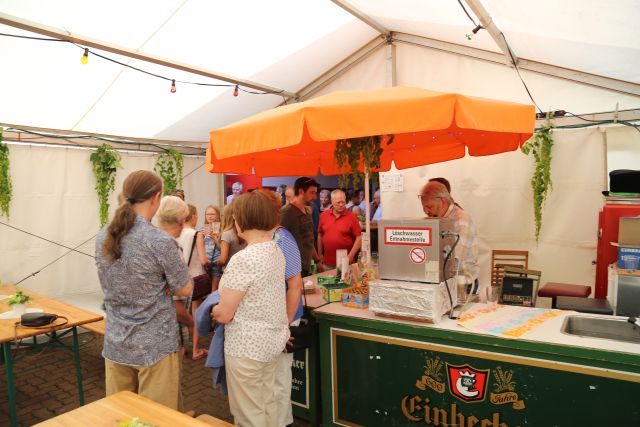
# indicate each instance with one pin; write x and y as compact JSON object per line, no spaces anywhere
{"x":338,"y":229}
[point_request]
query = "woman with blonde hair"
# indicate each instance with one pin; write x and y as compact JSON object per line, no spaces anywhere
{"x":252,"y":306}
{"x":230,"y":243}
{"x":172,"y":218}
{"x":187,"y":242}
{"x":208,"y":244}
{"x":138,"y":266}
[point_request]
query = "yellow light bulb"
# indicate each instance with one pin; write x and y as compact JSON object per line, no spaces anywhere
{"x":85,"y":57}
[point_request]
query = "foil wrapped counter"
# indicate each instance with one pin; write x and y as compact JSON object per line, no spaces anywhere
{"x":422,"y":301}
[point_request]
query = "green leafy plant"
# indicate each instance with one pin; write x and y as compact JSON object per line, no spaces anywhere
{"x":18,"y":298}
{"x":169,"y":167}
{"x":105,"y":162}
{"x":540,"y":145}
{"x":350,"y":153}
{"x":135,"y":422}
{"x":6,"y":188}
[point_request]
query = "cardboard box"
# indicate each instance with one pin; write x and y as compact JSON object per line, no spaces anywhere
{"x":333,"y":293}
{"x":327,"y":280}
{"x":629,"y":231}
{"x":355,"y":297}
{"x":629,"y":257}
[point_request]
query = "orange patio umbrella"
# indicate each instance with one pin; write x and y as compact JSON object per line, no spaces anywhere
{"x":429,"y":127}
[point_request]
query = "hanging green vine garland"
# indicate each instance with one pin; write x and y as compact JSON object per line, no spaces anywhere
{"x":350,"y":153}
{"x":105,"y":162}
{"x":6,"y":189}
{"x":540,"y":145}
{"x":169,"y":167}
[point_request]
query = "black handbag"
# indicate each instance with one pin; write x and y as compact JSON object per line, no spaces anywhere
{"x":201,"y":287}
{"x":202,"y":282}
{"x":39,"y":320}
{"x":301,"y":336}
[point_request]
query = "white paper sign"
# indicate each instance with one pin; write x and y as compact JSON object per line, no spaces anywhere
{"x":366,"y":243}
{"x":392,"y":182}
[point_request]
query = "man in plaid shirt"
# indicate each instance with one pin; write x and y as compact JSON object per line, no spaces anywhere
{"x":438,"y":203}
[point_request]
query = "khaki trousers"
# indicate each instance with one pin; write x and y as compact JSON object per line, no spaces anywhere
{"x":251,"y":392}
{"x":284,"y":377}
{"x":159,"y":382}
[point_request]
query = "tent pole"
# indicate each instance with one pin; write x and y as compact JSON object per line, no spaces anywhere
{"x":367,"y":220}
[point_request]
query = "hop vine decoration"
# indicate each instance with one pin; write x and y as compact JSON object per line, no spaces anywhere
{"x":350,"y":153}
{"x":105,"y":162}
{"x":540,"y":146}
{"x":169,"y":167}
{"x":6,"y":188}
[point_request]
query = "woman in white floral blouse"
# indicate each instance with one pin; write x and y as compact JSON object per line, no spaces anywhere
{"x":252,"y":304}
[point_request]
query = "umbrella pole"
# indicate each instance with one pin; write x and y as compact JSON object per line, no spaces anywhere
{"x":367,"y":221}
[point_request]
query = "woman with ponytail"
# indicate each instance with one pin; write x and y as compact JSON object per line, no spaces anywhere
{"x":140,"y":267}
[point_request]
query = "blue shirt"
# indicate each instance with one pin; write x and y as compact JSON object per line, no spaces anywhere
{"x":293,"y":265}
{"x":211,"y":250}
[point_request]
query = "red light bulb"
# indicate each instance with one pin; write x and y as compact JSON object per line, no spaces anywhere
{"x":235,"y":91}
{"x":173,"y":86}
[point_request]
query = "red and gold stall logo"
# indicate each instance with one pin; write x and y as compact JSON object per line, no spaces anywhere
{"x":466,"y":383}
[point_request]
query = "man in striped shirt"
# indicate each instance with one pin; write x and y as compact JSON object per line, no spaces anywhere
{"x":293,"y":282}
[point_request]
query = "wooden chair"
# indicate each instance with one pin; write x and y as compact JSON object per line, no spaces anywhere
{"x":506,"y":258}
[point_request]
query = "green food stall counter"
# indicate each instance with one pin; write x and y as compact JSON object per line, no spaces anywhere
{"x":385,"y":372}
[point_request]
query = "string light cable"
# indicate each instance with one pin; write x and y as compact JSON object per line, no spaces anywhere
{"x":592,"y":123}
{"x":603,"y":122}
{"x":86,"y":51}
{"x":469,"y":16}
{"x":160,"y":147}
{"x":478,"y":27}
{"x":515,"y":65}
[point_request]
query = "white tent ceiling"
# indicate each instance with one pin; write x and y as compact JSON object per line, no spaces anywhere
{"x":283,"y":44}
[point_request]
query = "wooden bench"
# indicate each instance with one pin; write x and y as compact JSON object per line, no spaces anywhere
{"x":206,"y":418}
{"x":97,"y":327}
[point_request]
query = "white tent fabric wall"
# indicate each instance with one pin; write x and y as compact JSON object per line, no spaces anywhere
{"x":623,"y":149}
{"x":496,"y":189}
{"x":54,"y":197}
{"x":422,"y":67}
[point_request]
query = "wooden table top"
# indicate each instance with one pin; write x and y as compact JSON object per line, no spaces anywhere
{"x":123,"y":406}
{"x":76,"y":316}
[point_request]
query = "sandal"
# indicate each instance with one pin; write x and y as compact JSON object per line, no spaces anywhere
{"x":197,"y":356}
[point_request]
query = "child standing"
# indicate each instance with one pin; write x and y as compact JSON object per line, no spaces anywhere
{"x":209,"y":245}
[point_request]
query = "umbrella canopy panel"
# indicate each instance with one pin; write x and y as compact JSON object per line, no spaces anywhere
{"x":429,"y":127}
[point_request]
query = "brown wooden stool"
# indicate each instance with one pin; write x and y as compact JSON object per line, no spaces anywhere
{"x":553,"y":290}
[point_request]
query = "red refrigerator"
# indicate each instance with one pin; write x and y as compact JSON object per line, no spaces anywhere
{"x":608,"y":232}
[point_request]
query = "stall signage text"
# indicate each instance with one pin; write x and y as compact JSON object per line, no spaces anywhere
{"x":407,"y":236}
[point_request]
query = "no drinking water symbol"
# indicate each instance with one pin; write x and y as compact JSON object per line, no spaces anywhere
{"x":417,"y":255}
